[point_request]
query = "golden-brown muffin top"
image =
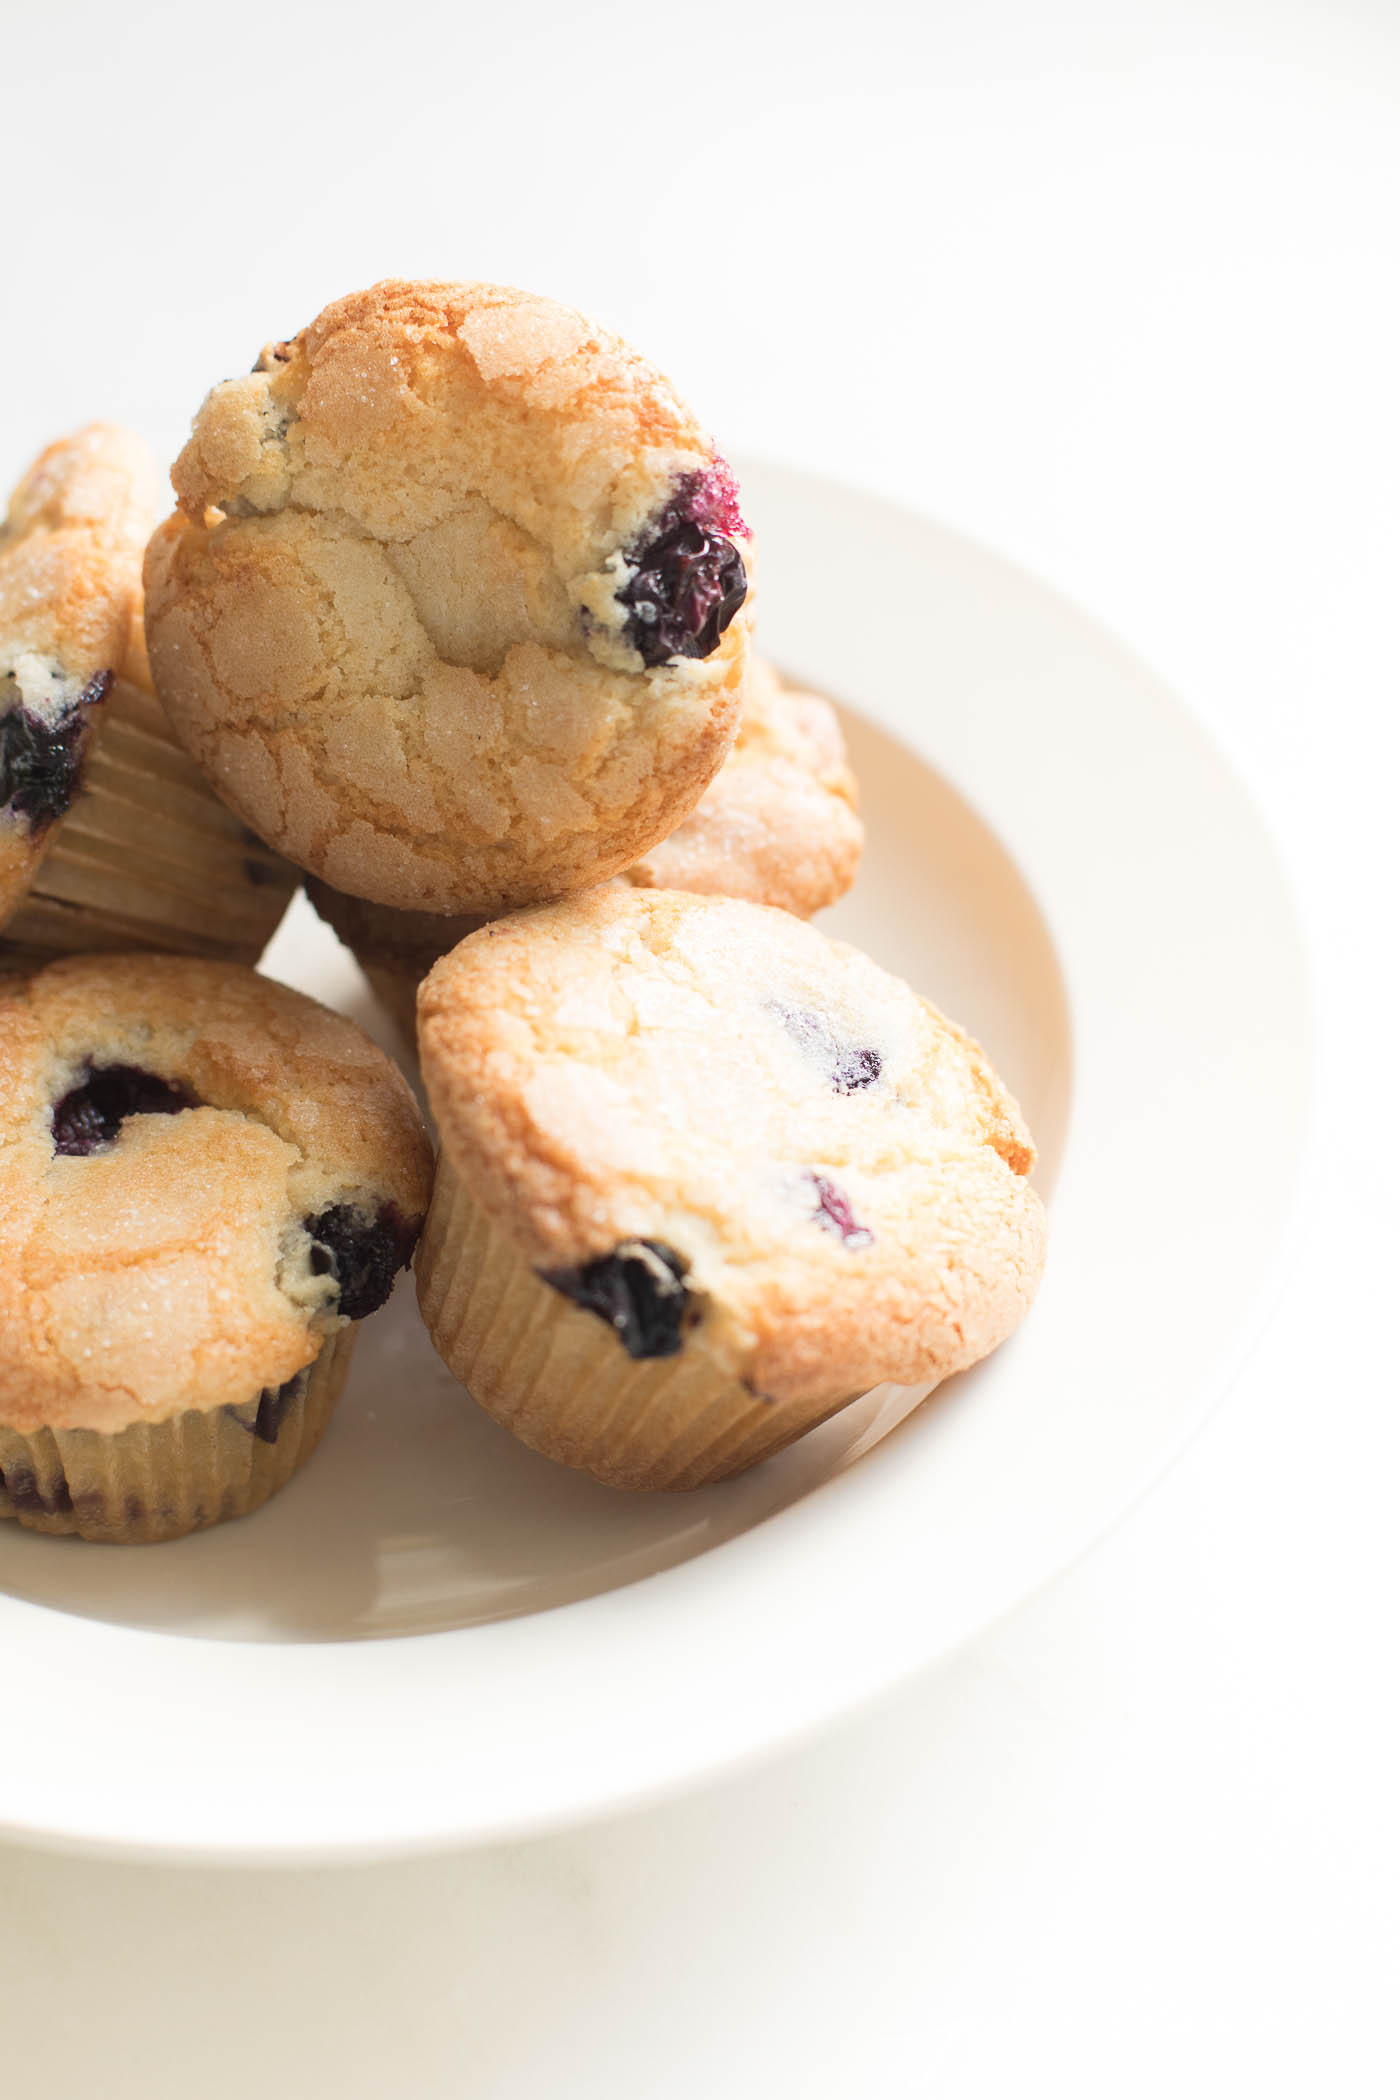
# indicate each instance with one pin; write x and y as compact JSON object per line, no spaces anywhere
{"x":452,"y":607}
{"x":832,"y":1167}
{"x":201,"y":1174}
{"x":70,"y":580}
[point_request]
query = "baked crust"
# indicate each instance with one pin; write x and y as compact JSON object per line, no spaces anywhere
{"x":70,"y":576}
{"x":778,"y":823}
{"x":170,"y":1268}
{"x":385,"y":616}
{"x":837,"y":1166}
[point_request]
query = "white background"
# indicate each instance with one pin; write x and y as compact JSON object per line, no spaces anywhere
{"x":1115,"y":290}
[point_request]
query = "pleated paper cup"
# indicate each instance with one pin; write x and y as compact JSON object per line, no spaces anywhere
{"x":558,"y":1378}
{"x":395,"y":949}
{"x":160,"y":1480}
{"x":148,"y":857}
{"x":397,"y":992}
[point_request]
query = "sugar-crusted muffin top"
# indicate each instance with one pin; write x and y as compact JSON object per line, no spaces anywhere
{"x":778,"y":822}
{"x":70,"y":562}
{"x":201,"y":1174}
{"x":776,"y":825}
{"x":453,"y":607}
{"x":830,"y":1170}
{"x":400,"y":404}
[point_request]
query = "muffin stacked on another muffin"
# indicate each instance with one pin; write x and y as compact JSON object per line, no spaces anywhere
{"x":454,"y":606}
{"x":776,"y":825}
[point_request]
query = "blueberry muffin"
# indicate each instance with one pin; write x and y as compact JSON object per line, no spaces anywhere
{"x":705,"y":1177}
{"x":453,"y":607}
{"x":777,"y":825}
{"x":209,"y":1181}
{"x":109,"y":835}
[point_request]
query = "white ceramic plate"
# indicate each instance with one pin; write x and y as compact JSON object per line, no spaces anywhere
{"x":435,"y":1636}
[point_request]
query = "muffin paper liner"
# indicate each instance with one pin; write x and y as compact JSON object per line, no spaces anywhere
{"x":160,"y":1480}
{"x":148,"y":857}
{"x":558,"y":1378}
{"x":397,"y":993}
{"x":395,"y":949}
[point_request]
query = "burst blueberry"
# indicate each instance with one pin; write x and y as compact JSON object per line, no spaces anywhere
{"x":849,"y":1067}
{"x":638,"y":1289}
{"x":41,"y":760}
{"x":275,"y":1403}
{"x":362,"y":1254}
{"x":90,"y":1114}
{"x":21,"y":1484}
{"x":688,"y":577}
{"x":834,"y":1212}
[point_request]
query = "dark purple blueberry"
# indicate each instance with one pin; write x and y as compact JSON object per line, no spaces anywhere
{"x":363,"y":1254}
{"x":637,"y":1289}
{"x":91,"y":1113}
{"x":275,"y":1403}
{"x":860,"y":1068}
{"x":22,"y":1487}
{"x":40,"y":761}
{"x":834,"y":1212}
{"x":688,"y":577}
{"x":848,"y":1067}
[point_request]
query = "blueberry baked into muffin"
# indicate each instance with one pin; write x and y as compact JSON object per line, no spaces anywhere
{"x":109,"y":835}
{"x":454,"y":609}
{"x":706,"y":1176}
{"x":70,"y":555}
{"x":209,"y":1181}
{"x":777,"y":825}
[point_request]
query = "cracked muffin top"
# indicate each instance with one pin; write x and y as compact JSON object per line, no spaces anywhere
{"x":70,"y":591}
{"x":202,"y":1174}
{"x":777,"y":825}
{"x":454,"y":605}
{"x":719,"y":1130}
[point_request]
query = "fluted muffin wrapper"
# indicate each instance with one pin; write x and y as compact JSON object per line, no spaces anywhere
{"x":159,"y":1480}
{"x":148,"y":857}
{"x":395,"y":949}
{"x":397,"y":992}
{"x":557,"y":1377}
